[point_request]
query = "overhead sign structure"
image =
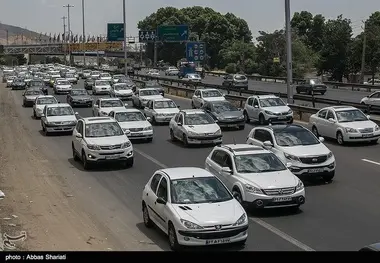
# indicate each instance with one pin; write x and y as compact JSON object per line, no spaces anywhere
{"x":177,"y":33}
{"x":102,"y":46}
{"x":147,"y":35}
{"x":195,"y":51}
{"x":115,"y":32}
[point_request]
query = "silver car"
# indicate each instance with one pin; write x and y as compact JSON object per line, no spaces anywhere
{"x":40,"y":103}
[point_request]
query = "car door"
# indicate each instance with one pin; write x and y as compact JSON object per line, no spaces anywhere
{"x":196,"y":99}
{"x":179,"y":130}
{"x":95,"y":108}
{"x":249,"y":107}
{"x":149,"y":109}
{"x":150,"y":196}
{"x":330,"y":127}
{"x":207,"y":108}
{"x":162,"y":211}
{"x":320,"y":121}
{"x":255,"y":109}
{"x":43,"y":117}
{"x":257,"y":137}
{"x":374,"y":100}
{"x":78,"y":141}
{"x":215,"y":164}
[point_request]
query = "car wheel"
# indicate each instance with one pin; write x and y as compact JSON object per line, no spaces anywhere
{"x":241,"y":127}
{"x":192,"y":105}
{"x":173,"y":241}
{"x":172,"y":137}
{"x":75,"y":156}
{"x":129,"y":163}
{"x":246,"y":117}
{"x":322,"y":93}
{"x":140,"y":105}
{"x":85,"y":163}
{"x":329,"y":177}
{"x":261,"y":119}
{"x":149,"y":139}
{"x":237,"y":195}
{"x":185,"y":141}
{"x":147,"y":221}
{"x":298,"y":91}
{"x":373,"y":142}
{"x":34,"y":114}
{"x":241,"y":243}
{"x":314,"y":130}
{"x":154,"y":121}
{"x":339,"y":138}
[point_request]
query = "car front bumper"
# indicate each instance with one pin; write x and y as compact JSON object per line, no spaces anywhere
{"x":279,"y":118}
{"x":360,"y":137}
{"x":215,"y":139}
{"x":259,"y":201}
{"x":140,"y":135}
{"x":58,"y":129}
{"x":231,"y":124}
{"x":81,"y":103}
{"x":300,"y":169}
{"x":109,"y":155}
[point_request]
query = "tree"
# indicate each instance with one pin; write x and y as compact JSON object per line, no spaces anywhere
{"x":241,"y":53}
{"x":372,"y":31}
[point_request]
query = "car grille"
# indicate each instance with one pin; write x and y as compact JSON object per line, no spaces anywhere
{"x":314,"y":159}
{"x":366,"y":130}
{"x":111,"y":147}
{"x":136,"y":129}
{"x":281,"y":113}
{"x":214,"y":234}
{"x":280,"y":191}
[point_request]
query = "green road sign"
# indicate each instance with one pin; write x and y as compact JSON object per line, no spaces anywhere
{"x":177,"y":33}
{"x":276,"y":60}
{"x":115,"y":32}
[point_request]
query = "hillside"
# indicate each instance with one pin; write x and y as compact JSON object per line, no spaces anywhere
{"x":17,"y":35}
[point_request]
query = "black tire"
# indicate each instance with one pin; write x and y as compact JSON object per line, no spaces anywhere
{"x":314,"y":130}
{"x":262,"y":119}
{"x":75,"y":155}
{"x":133,"y":103}
{"x":192,"y":105}
{"x":129,"y":163}
{"x":241,"y":243}
{"x":149,"y":139}
{"x":298,"y":91}
{"x":241,"y":128}
{"x":339,"y":138}
{"x":146,"y":218}
{"x":86,"y":165}
{"x":373,"y":142}
{"x":247,"y":120}
{"x":172,"y":236}
{"x":154,"y":121}
{"x":323,"y":93}
{"x":140,"y":105}
{"x":184,"y":140}
{"x":34,"y":114}
{"x":328,"y":177}
{"x":172,"y":137}
{"x":237,"y":195}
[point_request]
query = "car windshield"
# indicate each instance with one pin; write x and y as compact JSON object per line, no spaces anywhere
{"x":211,"y":93}
{"x":79,"y":92}
{"x":102,"y":83}
{"x":105,"y":129}
{"x":295,"y":137}
{"x":63,"y":82}
{"x":315,"y":81}
{"x":196,"y":76}
{"x":198,"y":119}
{"x":70,"y":76}
{"x":240,"y":77}
{"x":350,"y":116}
{"x":86,"y":71}
{"x":258,"y":163}
{"x":150,"y":92}
{"x":105,"y":75}
{"x":164,"y":104}
{"x":32,"y":92}
{"x":43,"y":101}
{"x":111,"y":103}
{"x":222,"y":107}
{"x":129,"y":116}
{"x":122,"y":87}
{"x":198,"y":190}
{"x":118,"y":76}
{"x":59,"y":111}
{"x":95,"y":73}
{"x":271,"y":102}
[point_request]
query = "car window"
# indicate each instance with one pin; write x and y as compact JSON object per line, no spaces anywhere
{"x":154,"y":182}
{"x":250,"y":101}
{"x":162,"y":190}
{"x":177,"y":117}
{"x":322,"y":114}
{"x":330,"y":115}
{"x":256,"y":103}
{"x":259,"y":135}
{"x":267,"y":136}
{"x":219,"y":157}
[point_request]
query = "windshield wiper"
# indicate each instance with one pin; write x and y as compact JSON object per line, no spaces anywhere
{"x":269,"y":170}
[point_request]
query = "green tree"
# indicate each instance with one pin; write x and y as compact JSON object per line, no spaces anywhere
{"x":241,"y":53}
{"x":372,"y":31}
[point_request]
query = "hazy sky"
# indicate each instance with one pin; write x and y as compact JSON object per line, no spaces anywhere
{"x":267,"y":15}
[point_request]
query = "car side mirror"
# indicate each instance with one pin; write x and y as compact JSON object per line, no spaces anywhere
{"x":78,"y":135}
{"x":288,"y":165}
{"x":160,"y":200}
{"x":148,"y":118}
{"x":368,"y":117}
{"x":226,"y":170}
{"x":76,"y":113}
{"x":179,"y":124}
{"x":332,"y":120}
{"x":178,"y":107}
{"x":268,"y":144}
{"x":42,"y":115}
{"x":125,"y":104}
{"x":321,"y":139}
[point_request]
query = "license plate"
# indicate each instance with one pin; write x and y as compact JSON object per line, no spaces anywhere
{"x":282,"y":117}
{"x":367,"y":135}
{"x":112,"y":157}
{"x":137,"y":134}
{"x":218,"y":241}
{"x":207,"y":142}
{"x":103,"y":88}
{"x":317,"y":170}
{"x":231,"y":125}
{"x":282,"y":199}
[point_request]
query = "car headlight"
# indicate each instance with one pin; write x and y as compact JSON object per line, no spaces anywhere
{"x":252,"y":189}
{"x":299,"y":186}
{"x":126,"y":145}
{"x":291,"y":157}
{"x":329,"y":155}
{"x":93,"y":147}
{"x":241,"y":117}
{"x":242,"y":220}
{"x":190,"y":225}
{"x":351,"y":130}
{"x":290,"y":112}
{"x":149,"y":128}
{"x":269,"y":112}
{"x":126,"y":131}
{"x":377,"y":128}
{"x":192,"y":133}
{"x":220,"y":118}
{"x":218,"y":132}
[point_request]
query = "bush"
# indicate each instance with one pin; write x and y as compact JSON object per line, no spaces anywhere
{"x":231,"y":68}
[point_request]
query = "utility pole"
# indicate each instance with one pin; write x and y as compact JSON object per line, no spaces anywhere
{"x":125,"y":38}
{"x":64,"y":35}
{"x":83,"y":38}
{"x":155,"y":53}
{"x":7,"y":36}
{"x":68,"y":6}
{"x":289,"y":63}
{"x":363,"y":53}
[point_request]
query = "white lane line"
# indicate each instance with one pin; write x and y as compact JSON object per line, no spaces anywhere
{"x":258,"y":221}
{"x":369,"y":161}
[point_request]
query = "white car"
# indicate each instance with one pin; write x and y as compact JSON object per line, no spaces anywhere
{"x":153,"y":73}
{"x":194,"y":127}
{"x":95,"y":74}
{"x":101,"y":87}
{"x":257,"y":177}
{"x":372,"y":100}
{"x":103,"y":106}
{"x":10,"y":80}
{"x":202,"y":95}
{"x":193,"y":77}
{"x":134,"y":124}
{"x":62,"y":86}
{"x":193,"y":208}
{"x":71,"y":78}
{"x":267,"y":109}
{"x":345,"y":124}
{"x":294,"y":144}
{"x":100,"y":139}
{"x":141,"y":97}
{"x":161,"y":110}
{"x":115,"y":78}
{"x":40,"y":103}
{"x":58,"y":118}
{"x":171,"y":71}
{"x":122,"y":91}
{"x":86,"y":73}
{"x":105,"y":76}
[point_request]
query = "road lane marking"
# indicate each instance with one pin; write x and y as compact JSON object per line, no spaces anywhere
{"x":258,"y":221}
{"x":369,"y":161}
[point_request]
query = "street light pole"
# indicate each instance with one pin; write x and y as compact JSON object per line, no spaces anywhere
{"x":84,"y":38}
{"x":68,"y":6}
{"x":289,"y":63}
{"x":64,"y":35}
{"x":125,"y":38}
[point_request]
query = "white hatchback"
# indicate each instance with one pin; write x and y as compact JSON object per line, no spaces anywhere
{"x":202,"y":95}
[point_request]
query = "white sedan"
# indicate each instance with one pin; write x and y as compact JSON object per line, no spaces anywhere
{"x":193,"y":208}
{"x":101,"y":87}
{"x":372,"y":100}
{"x":202,"y":95}
{"x":40,"y":103}
{"x":192,"y":78}
{"x":103,"y":106}
{"x":345,"y":124}
{"x":141,"y":97}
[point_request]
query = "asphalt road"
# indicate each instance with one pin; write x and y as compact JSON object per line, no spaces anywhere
{"x":343,"y":215}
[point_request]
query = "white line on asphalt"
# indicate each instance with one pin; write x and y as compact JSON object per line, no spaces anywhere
{"x":258,"y":221}
{"x":369,"y":161}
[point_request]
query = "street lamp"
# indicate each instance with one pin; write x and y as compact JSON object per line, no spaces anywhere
{"x":125,"y":38}
{"x":289,"y":63}
{"x":68,"y":6}
{"x":84,"y":36}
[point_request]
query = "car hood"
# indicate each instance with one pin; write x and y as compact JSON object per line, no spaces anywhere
{"x":279,"y":179}
{"x":61,"y":118}
{"x":81,"y":97}
{"x":134,"y":124}
{"x":358,"y":124}
{"x":208,"y":128}
{"x":124,"y":92}
{"x":39,"y":107}
{"x":103,"y":86}
{"x":277,"y":109}
{"x":230,"y":114}
{"x":167,"y":111}
{"x":106,"y":141}
{"x":214,"y":99}
{"x":64,"y":86}
{"x":152,"y":97}
{"x":307,"y":150}
{"x":106,"y":78}
{"x":209,"y":214}
{"x":109,"y":109}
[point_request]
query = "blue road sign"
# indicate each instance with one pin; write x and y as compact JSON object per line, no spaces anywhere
{"x":115,"y":32}
{"x":147,"y":36}
{"x":176,"y":33}
{"x":195,"y":51}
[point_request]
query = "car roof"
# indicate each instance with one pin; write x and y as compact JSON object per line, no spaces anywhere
{"x":179,"y":173}
{"x":58,"y":105}
{"x":90,"y":120}
{"x":46,"y":96}
{"x":108,"y":99}
{"x":242,"y":149}
{"x":193,"y":111}
{"x":162,"y":99}
{"x":148,"y":89}
{"x":127,"y":110}
{"x":264,"y":96}
{"x":341,"y":108}
{"x":282,"y":126}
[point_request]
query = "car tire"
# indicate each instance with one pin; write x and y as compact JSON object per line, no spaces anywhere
{"x":140,"y":105}
{"x":298,"y":91}
{"x":322,"y":93}
{"x":237,"y":195}
{"x":373,"y":141}
{"x":241,"y":128}
{"x":246,"y":117}
{"x":149,"y":139}
{"x":86,"y":165}
{"x":339,"y":138}
{"x":328,"y":177}
{"x":154,"y":121}
{"x":129,"y":163}
{"x":314,"y":130}
{"x":75,"y":155}
{"x":262,"y":119}
{"x":146,"y":218}
{"x":34,"y":114}
{"x":192,"y":105}
{"x":172,"y":236}
{"x":185,"y":141}
{"x":172,"y":137}
{"x":241,"y":243}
